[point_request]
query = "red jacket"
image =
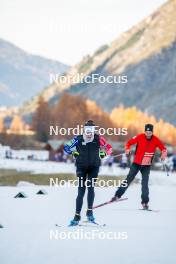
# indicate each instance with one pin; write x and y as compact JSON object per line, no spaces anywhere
{"x":145,"y":148}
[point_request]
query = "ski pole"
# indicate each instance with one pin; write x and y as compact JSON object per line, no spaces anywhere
{"x":118,"y":155}
{"x":165,"y":168}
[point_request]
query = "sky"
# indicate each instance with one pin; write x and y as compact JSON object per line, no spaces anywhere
{"x":67,"y":30}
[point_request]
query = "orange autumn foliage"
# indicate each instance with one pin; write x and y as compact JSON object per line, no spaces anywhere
{"x":135,"y":120}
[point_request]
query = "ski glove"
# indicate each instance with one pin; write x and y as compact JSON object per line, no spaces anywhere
{"x":102,"y":154}
{"x":163,"y":155}
{"x":75,"y":154}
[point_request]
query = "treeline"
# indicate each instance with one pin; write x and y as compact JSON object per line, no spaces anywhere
{"x":135,"y":120}
{"x":71,"y":111}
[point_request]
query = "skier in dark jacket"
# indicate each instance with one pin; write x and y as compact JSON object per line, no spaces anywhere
{"x":146,"y":144}
{"x":87,"y":149}
{"x":174,"y":163}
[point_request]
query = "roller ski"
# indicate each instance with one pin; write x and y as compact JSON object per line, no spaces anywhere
{"x":114,"y":199}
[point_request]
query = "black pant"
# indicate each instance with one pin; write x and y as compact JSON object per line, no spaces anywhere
{"x":83,"y":174}
{"x":134,"y":169}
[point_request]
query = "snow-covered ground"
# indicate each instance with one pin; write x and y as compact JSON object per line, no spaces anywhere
{"x":30,"y":236}
{"x":29,"y":225}
{"x":49,"y":167}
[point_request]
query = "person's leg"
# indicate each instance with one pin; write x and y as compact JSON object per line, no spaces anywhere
{"x":81,"y":174}
{"x":145,"y":171}
{"x":92,"y":175}
{"x":130,"y":177}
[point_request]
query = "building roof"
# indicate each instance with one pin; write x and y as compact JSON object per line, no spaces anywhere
{"x":55,"y":144}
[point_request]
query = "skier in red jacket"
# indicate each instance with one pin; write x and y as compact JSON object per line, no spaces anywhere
{"x":146,"y":144}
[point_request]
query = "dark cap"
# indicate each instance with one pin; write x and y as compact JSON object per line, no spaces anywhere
{"x":89,"y":123}
{"x":149,"y":127}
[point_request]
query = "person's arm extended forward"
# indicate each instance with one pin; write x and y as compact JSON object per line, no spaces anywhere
{"x":105,"y":146}
{"x":70,"y":146}
{"x":130,"y":142}
{"x":163,"y":149}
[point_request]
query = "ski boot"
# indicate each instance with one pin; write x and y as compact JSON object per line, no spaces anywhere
{"x":114,"y":199}
{"x":75,"y":220}
{"x":90,"y":217}
{"x":145,"y":206}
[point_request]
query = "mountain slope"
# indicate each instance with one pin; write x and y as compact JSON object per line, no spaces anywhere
{"x":151,"y":87}
{"x":23,"y":75}
{"x":146,"y":54}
